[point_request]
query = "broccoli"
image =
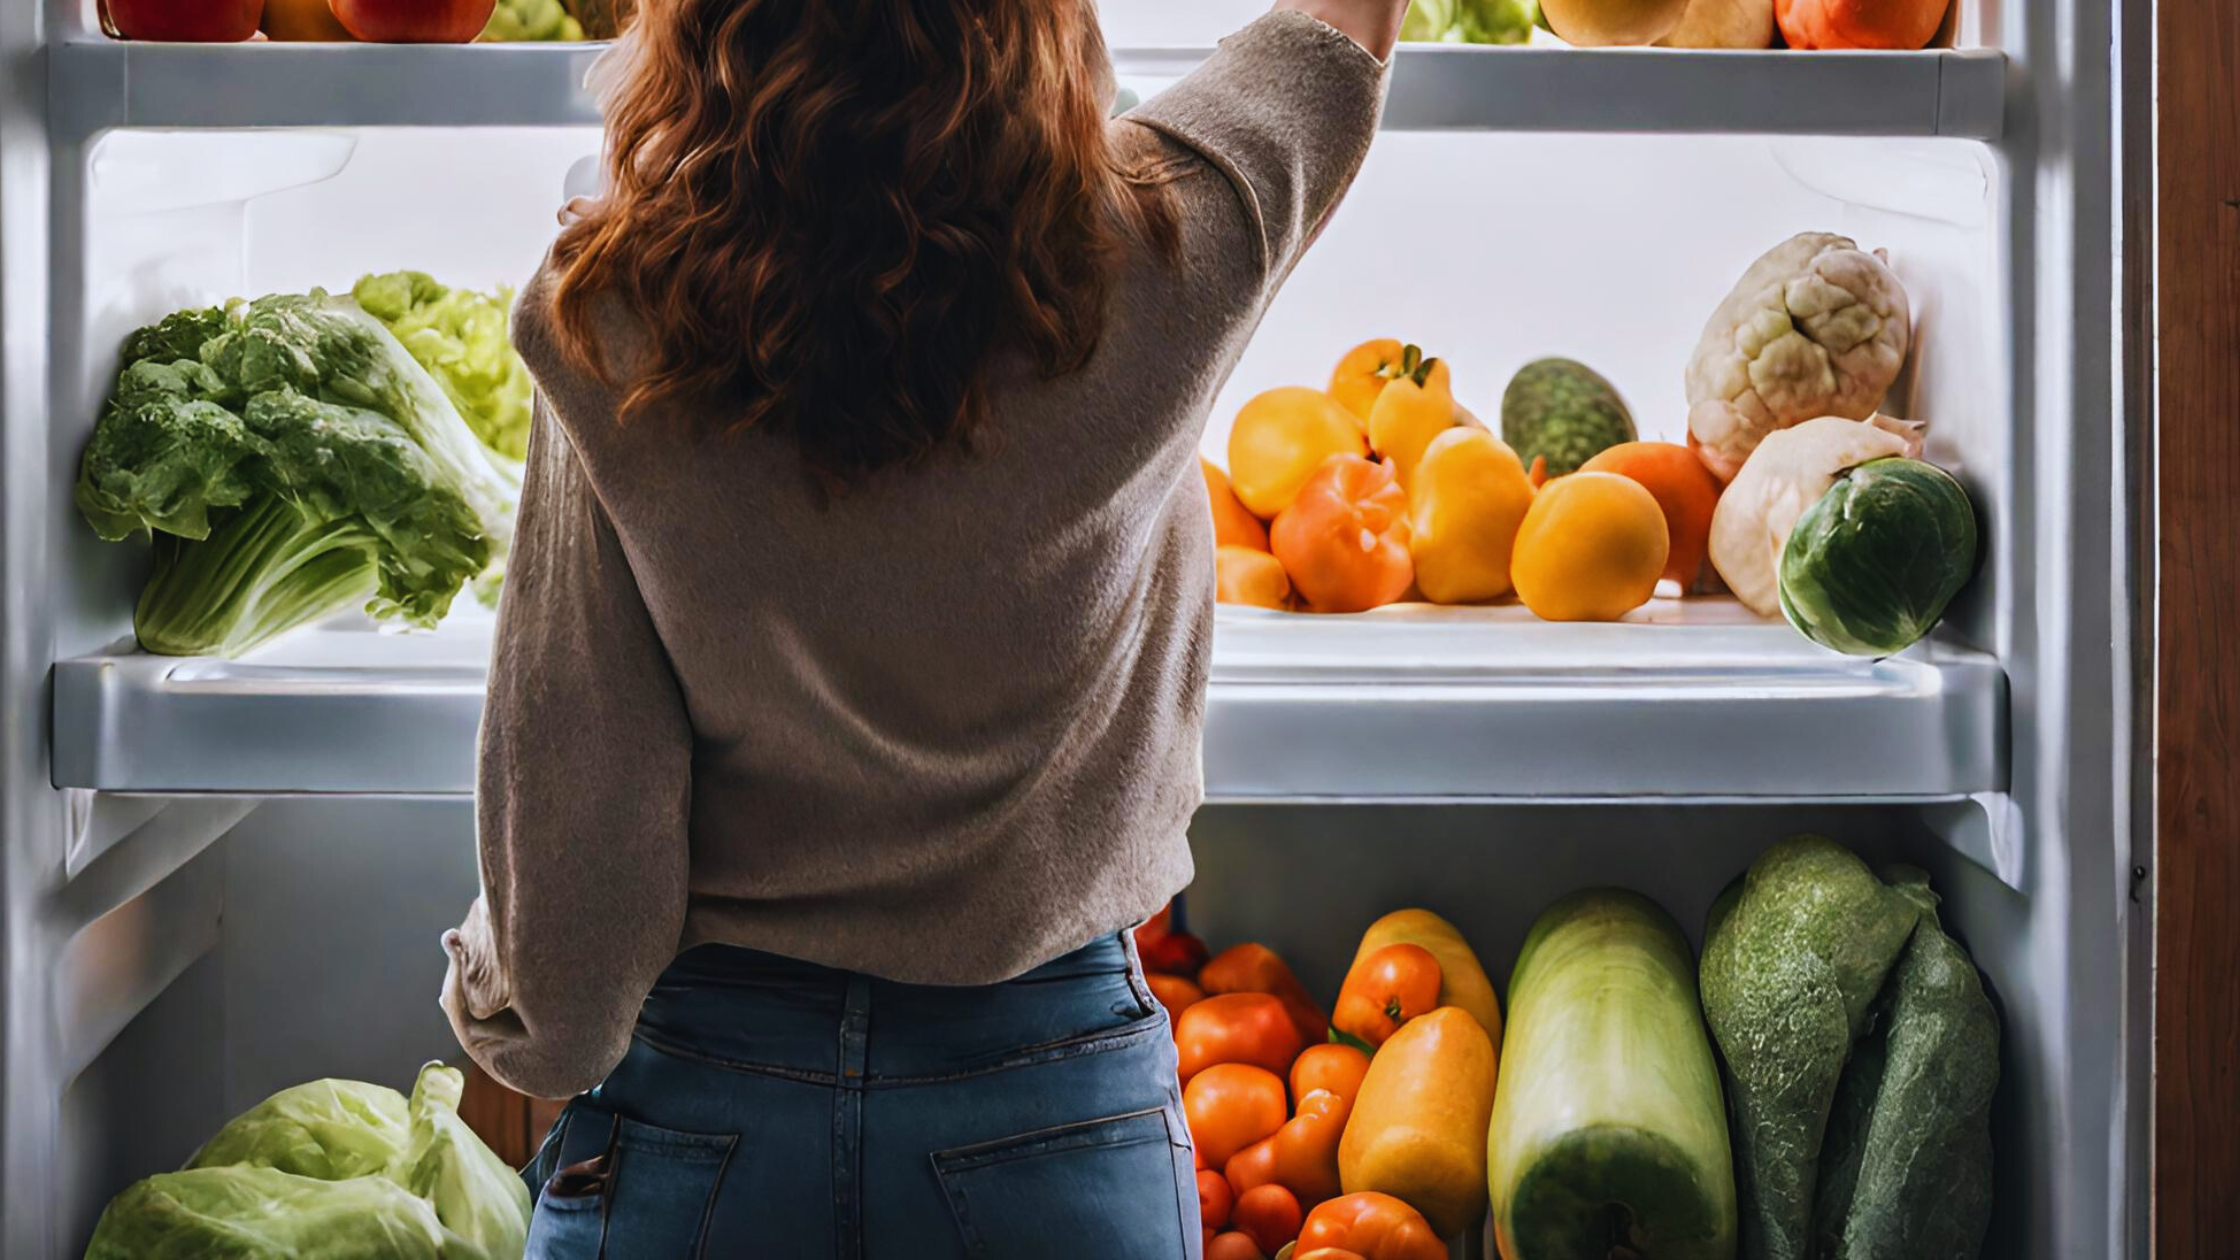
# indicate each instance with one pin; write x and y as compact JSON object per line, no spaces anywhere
{"x":292,"y":460}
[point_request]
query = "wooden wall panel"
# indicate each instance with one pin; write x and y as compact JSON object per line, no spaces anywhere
{"x":2197,"y":867}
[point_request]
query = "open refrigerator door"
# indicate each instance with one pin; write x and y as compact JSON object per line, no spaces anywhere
{"x":227,"y":876}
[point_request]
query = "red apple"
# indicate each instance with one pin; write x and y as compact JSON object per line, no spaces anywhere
{"x":184,"y":21}
{"x":415,"y":21}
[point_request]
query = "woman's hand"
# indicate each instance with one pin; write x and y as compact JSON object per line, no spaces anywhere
{"x":1373,"y":24}
{"x":578,"y":208}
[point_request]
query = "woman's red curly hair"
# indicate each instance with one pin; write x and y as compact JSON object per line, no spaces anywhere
{"x":831,"y":217}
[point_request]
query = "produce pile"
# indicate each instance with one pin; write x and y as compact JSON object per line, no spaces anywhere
{"x":1734,"y":24}
{"x":341,"y":1170}
{"x":1833,"y":1029}
{"x":1792,"y":491}
{"x":376,"y":21}
{"x":303,"y":454}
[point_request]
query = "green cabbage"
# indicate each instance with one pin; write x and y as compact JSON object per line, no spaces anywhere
{"x":333,"y":1170}
{"x":1470,"y":21}
{"x":465,"y":340}
{"x":1870,"y":567}
{"x":293,"y":460}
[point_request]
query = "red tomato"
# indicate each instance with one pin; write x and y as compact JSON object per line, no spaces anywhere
{"x":185,"y":21}
{"x":1175,"y":954}
{"x":1230,"y":1106}
{"x":1233,"y":1246}
{"x":1236,"y":1028}
{"x":1156,"y":926}
{"x":1389,"y":988}
{"x":414,"y":21}
{"x":1174,"y":993}
{"x":1270,"y":1214}
{"x":1337,"y":1068}
{"x":1214,"y":1200}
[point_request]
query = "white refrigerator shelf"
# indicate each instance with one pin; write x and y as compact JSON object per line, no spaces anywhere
{"x":1693,"y":700}
{"x":97,"y":84}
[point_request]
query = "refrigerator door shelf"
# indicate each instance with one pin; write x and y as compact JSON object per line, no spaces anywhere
{"x":1690,"y":700}
{"x":98,"y":84}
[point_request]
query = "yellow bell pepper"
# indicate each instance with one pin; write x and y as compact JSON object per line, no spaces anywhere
{"x":1469,"y":498}
{"x":1363,"y":374}
{"x":1417,"y":406}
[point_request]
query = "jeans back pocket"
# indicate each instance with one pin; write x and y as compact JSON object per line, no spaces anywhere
{"x":646,"y":1194}
{"x":1109,"y":1188}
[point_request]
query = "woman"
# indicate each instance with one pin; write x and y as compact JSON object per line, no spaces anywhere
{"x":846,"y":699}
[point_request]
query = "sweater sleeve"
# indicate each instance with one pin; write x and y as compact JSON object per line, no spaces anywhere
{"x":1286,"y":109}
{"x":583,"y":800}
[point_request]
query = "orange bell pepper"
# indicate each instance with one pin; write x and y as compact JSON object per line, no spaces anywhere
{"x":1373,"y":1226}
{"x":1254,"y":1166}
{"x":1328,"y":1253}
{"x":1344,"y":539}
{"x":1307,"y":1147}
{"x":1254,"y":968}
{"x":1390,"y":987}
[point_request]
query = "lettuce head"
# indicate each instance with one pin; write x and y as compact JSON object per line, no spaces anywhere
{"x":332,"y":1170}
{"x":292,"y":460}
{"x":465,"y":340}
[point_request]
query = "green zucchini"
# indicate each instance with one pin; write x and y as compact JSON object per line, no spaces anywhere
{"x":1906,"y":1172}
{"x":1791,"y":967}
{"x":1608,"y":1137}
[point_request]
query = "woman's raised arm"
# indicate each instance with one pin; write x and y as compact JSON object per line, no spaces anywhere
{"x":1373,"y":24}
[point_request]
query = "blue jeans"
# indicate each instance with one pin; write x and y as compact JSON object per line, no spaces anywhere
{"x":773,"y":1108}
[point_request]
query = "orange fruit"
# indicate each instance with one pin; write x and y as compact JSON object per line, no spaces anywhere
{"x":1591,"y":548}
{"x":1685,"y":491}
{"x":1246,"y":576}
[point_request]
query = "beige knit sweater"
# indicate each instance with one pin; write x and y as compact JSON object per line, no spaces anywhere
{"x":941,"y":730}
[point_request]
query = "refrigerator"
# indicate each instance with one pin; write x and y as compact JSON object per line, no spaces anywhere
{"x":220,"y":878}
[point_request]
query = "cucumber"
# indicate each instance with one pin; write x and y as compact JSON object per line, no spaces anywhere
{"x":1906,"y":1170}
{"x":1609,"y":1137}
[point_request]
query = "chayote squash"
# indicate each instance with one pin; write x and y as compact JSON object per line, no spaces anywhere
{"x":1906,"y":1170}
{"x":1870,"y":567}
{"x":1792,"y":964}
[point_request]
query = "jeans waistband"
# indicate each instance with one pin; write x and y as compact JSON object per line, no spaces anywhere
{"x":756,"y":1011}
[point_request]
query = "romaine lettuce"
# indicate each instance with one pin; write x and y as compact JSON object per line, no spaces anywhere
{"x":292,"y":460}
